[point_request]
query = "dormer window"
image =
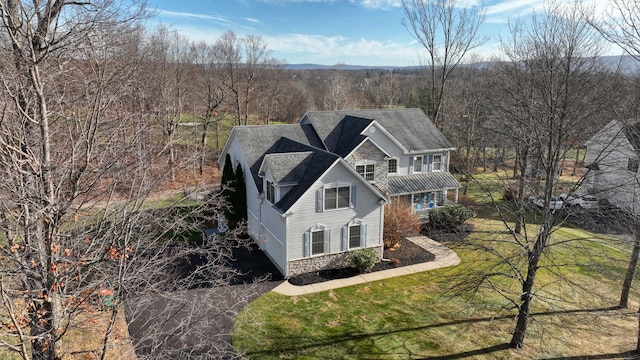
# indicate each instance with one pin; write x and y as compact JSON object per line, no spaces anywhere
{"x":366,"y":171}
{"x":271,"y":192}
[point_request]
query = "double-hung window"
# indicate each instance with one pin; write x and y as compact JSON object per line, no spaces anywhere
{"x":337,"y":197}
{"x":417,"y":164}
{"x":355,"y":236}
{"x":317,"y":242}
{"x":367,"y":171}
{"x":271,"y":192}
{"x":437,"y":162}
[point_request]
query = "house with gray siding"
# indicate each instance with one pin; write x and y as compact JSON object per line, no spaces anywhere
{"x":317,"y":189}
{"x":612,"y":159}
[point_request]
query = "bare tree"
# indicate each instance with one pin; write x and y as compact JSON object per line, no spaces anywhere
{"x":546,"y":90}
{"x":171,"y":58}
{"x":210,"y":70}
{"x":448,"y":31}
{"x":619,"y":25}
{"x":81,"y":234}
{"x":338,"y":91}
{"x":230,"y":54}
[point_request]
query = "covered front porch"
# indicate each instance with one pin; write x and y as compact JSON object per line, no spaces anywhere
{"x":424,"y":191}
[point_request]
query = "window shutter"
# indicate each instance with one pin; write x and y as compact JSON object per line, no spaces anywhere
{"x":345,"y":238}
{"x":320,"y":200}
{"x":327,"y":241}
{"x":307,"y":245}
{"x":353,"y":197}
{"x":426,"y":163}
{"x":363,"y":235}
{"x":411,"y":165}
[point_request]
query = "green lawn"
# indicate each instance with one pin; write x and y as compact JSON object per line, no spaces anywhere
{"x":427,"y":315}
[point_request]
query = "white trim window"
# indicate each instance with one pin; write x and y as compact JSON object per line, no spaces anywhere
{"x":271,"y":192}
{"x":417,"y":164}
{"x":367,"y":171}
{"x":337,"y":198}
{"x":317,"y":241}
{"x":354,"y":235}
{"x":437,"y":162}
{"x":392,"y":166}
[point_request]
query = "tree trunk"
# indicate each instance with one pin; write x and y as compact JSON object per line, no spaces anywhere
{"x":575,"y":162}
{"x":631,"y":270}
{"x":517,"y":340}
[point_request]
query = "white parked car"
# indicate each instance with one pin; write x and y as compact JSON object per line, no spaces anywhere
{"x":555,"y":203}
{"x":584,"y":201}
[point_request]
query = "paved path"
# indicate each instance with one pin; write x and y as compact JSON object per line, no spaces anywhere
{"x":444,"y":257}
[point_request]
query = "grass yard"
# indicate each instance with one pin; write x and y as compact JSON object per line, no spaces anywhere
{"x":427,"y":316}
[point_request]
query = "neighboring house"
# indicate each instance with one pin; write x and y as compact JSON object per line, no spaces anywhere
{"x":317,"y":189}
{"x":612,"y":159}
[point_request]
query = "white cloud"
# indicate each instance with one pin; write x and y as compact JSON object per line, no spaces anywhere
{"x":378,"y":4}
{"x":518,"y":6}
{"x":193,"y":16}
{"x":322,"y":49}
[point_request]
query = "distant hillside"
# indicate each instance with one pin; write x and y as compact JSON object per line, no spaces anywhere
{"x":625,"y":63}
{"x":344,"y":67}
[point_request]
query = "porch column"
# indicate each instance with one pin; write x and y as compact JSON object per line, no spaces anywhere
{"x":456,"y":198}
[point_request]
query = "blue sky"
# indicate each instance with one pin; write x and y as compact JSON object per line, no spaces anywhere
{"x":327,"y":32}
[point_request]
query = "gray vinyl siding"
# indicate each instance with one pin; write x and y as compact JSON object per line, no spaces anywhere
{"x":612,"y":180}
{"x":304,"y":215}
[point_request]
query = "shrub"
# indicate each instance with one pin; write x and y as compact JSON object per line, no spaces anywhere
{"x":363,"y":259}
{"x":399,"y":220}
{"x":449,"y":217}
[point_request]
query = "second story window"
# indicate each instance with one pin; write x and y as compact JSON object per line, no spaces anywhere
{"x":271,"y":192}
{"x":337,"y":197}
{"x":437,"y":162}
{"x":367,"y":171}
{"x":417,"y":164}
{"x":392,"y":166}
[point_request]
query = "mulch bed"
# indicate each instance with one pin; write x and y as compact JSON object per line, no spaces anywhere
{"x":407,"y":253}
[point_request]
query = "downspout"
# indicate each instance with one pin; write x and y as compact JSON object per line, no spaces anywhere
{"x":285,"y":216}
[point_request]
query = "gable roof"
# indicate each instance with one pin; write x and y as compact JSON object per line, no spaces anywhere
{"x":286,"y":167}
{"x":305,"y":174}
{"x":411,"y":128}
{"x":632,"y":133}
{"x":259,"y":140}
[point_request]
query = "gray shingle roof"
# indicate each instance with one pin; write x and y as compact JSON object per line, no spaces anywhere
{"x":287,"y":167}
{"x":256,"y":141}
{"x":416,"y":183}
{"x":308,"y":171}
{"x":411,"y":127}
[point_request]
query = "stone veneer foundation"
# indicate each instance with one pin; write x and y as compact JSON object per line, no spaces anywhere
{"x":324,"y":262}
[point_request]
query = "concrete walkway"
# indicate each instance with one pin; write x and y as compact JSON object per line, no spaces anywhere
{"x":444,"y":257}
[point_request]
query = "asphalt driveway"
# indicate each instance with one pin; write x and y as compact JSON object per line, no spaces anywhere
{"x":198,"y":323}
